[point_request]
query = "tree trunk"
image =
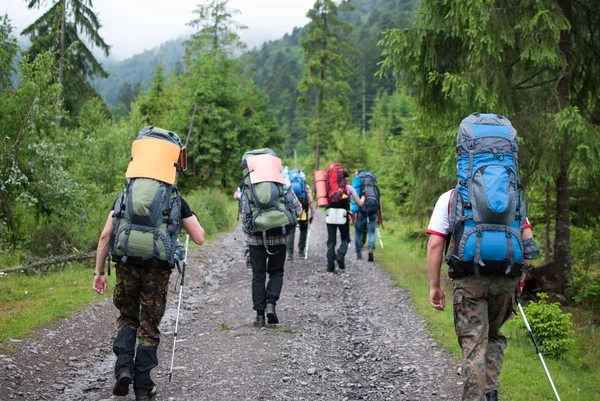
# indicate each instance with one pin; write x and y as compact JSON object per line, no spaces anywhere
{"x":61,"y":63}
{"x":547,"y":241}
{"x":562,"y":250}
{"x":364,"y":108}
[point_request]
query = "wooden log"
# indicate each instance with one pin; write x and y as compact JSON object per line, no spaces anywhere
{"x":51,"y":261}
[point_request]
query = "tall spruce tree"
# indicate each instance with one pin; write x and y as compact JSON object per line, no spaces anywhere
{"x":222,"y":112}
{"x":535,"y":62}
{"x":327,"y":68}
{"x":58,"y":29}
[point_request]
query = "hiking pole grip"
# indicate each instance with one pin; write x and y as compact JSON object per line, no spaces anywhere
{"x":537,"y":349}
{"x":187,"y":241}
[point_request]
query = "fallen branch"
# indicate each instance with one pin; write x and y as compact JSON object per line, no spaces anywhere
{"x":51,"y":261}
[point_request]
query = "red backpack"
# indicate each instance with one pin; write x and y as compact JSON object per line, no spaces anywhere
{"x":336,"y":183}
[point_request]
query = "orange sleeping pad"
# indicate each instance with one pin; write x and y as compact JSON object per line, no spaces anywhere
{"x":153,"y":158}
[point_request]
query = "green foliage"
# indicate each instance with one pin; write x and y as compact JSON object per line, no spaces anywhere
{"x":552,"y":328}
{"x":325,"y":78}
{"x":8,"y":51}
{"x":585,"y":247}
{"x":58,"y":30}
{"x":213,"y":209}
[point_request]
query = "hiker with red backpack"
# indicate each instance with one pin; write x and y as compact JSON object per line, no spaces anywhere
{"x":482,"y":226}
{"x":141,"y":235}
{"x":269,"y":210}
{"x":337,"y":213}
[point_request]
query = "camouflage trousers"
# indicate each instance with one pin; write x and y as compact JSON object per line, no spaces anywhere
{"x":141,"y":296}
{"x":481,"y":305}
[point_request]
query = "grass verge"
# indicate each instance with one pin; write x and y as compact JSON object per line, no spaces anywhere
{"x":576,"y":376}
{"x":29,"y":301}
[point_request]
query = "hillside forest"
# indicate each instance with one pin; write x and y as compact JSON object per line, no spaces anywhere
{"x":378,"y":84}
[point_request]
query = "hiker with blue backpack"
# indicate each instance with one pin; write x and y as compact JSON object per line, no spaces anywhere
{"x":141,"y":236}
{"x":304,"y":194}
{"x":269,"y":210}
{"x":481,"y":224}
{"x":367,"y":216}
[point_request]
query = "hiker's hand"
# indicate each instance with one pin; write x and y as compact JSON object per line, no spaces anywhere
{"x":310,"y":220}
{"x":378,"y":220}
{"x":437,"y":299}
{"x":100,"y":284}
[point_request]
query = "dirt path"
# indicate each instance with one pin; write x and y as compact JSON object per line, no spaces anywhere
{"x":346,"y":336}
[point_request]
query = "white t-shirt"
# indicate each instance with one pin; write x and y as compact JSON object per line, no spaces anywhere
{"x":440,"y":218}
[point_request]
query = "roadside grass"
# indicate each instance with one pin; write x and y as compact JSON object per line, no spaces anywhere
{"x":29,"y":301}
{"x":576,"y":376}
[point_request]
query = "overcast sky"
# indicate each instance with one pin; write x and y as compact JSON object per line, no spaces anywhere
{"x":132,"y":26}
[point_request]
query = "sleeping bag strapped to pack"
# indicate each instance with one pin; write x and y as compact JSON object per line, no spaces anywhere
{"x":298,"y":183}
{"x":147,"y":213}
{"x":487,"y":214}
{"x":321,"y":188}
{"x":268,"y":206}
{"x":336,"y":183}
{"x":365,"y":183}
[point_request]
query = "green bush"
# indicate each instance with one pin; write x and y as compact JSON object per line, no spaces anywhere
{"x":212,"y":208}
{"x":552,"y":328}
{"x":585,"y":275}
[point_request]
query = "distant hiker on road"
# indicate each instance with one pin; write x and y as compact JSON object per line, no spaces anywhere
{"x":368,"y":216}
{"x":493,"y":244}
{"x":338,"y":197}
{"x":141,"y":234}
{"x":304,"y":194}
{"x":268,"y":212}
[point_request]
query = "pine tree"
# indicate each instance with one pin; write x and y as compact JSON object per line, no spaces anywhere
{"x":535,"y":62}
{"x":326,"y":73}
{"x":58,"y":29}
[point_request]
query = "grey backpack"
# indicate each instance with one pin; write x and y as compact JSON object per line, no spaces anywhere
{"x":268,"y":206}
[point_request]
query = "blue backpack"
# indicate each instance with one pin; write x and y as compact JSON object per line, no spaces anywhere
{"x":487,"y":214}
{"x":298,"y":184}
{"x":366,"y":183}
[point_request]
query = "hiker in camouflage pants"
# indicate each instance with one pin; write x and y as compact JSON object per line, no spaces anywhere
{"x":141,"y":295}
{"x":481,"y":305}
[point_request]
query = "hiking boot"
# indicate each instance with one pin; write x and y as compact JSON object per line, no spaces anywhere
{"x":341,"y":264}
{"x":371,"y":257}
{"x":271,"y":315}
{"x":301,"y":253}
{"x":331,"y":267}
{"x":148,"y":396}
{"x":491,"y":396}
{"x":121,"y":387}
{"x":359,"y":256}
{"x":260,"y":321}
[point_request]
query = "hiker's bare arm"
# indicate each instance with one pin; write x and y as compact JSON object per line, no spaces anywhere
{"x":435,"y":253}
{"x":100,"y":283}
{"x":359,"y":201}
{"x":194,"y":229}
{"x":527,"y":233}
{"x":311,"y":203}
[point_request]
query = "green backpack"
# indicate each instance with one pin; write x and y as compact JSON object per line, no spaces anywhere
{"x":147,"y":213}
{"x":269,"y":204}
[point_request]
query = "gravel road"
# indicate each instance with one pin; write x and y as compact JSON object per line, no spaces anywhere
{"x":352,"y":335}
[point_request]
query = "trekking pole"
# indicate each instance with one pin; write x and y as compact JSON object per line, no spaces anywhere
{"x":537,"y":349}
{"x":307,"y":239}
{"x":380,"y":240}
{"x":182,"y":272}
